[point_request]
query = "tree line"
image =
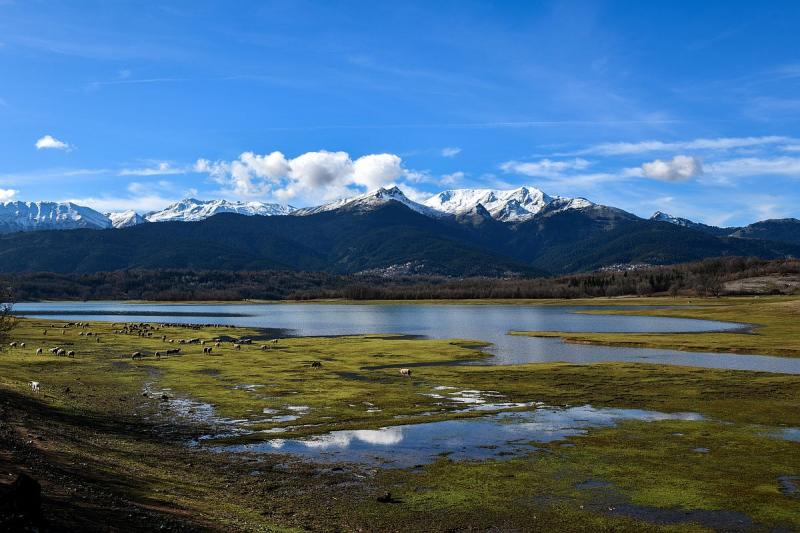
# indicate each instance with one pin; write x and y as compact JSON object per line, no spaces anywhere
{"x":705,"y":278}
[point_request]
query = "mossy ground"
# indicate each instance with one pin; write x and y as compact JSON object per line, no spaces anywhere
{"x":103,"y":434}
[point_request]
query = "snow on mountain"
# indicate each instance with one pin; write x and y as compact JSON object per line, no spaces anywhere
{"x":190,"y":210}
{"x":563,"y":204}
{"x":664,"y":217}
{"x":125,"y":219}
{"x":371,"y":200}
{"x":516,"y":205}
{"x":33,"y":216}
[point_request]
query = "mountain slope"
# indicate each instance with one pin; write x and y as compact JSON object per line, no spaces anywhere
{"x":125,"y":219}
{"x":192,"y":210}
{"x":334,"y":241}
{"x":372,"y":200}
{"x":783,"y":230}
{"x":35,"y":216}
{"x":659,"y":216}
{"x":508,"y":206}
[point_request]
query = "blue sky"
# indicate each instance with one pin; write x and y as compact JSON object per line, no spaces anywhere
{"x":691,"y":108}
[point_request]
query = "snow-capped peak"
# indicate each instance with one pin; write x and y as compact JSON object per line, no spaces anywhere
{"x":125,"y":219}
{"x":191,"y":209}
{"x":373,"y":199}
{"x":660,"y":216}
{"x":31,"y":216}
{"x":513,"y":205}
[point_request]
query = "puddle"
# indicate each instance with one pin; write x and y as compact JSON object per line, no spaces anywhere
{"x":495,"y":436}
{"x":792,"y":434}
{"x":248,"y":387}
{"x":789,"y":485}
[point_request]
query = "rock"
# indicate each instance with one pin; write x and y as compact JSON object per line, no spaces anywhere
{"x":24,"y":497}
{"x":385,"y":498}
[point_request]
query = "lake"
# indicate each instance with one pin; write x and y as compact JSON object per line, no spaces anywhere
{"x":489,"y":323}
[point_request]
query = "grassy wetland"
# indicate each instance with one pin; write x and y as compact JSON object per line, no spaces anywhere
{"x":145,"y":443}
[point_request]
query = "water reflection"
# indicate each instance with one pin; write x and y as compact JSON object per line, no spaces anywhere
{"x":500,"y":435}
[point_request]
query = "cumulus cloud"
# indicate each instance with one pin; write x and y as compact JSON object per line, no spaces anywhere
{"x":451,"y":151}
{"x":7,"y":194}
{"x":544,"y":168}
{"x":679,"y":168}
{"x":48,"y":142}
{"x":312,"y":175}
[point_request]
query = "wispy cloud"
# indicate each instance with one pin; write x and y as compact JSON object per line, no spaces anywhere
{"x":159,"y":168}
{"x":720,"y":143}
{"x":544,"y":167}
{"x":141,"y":81}
{"x":450,"y":151}
{"x":756,"y":166}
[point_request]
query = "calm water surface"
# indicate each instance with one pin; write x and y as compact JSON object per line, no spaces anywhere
{"x":489,"y":323}
{"x":490,"y":437}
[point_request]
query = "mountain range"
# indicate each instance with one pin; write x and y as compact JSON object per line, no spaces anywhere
{"x":457,"y":232}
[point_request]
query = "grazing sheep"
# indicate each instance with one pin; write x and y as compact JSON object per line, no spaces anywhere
{"x":158,"y":355}
{"x":405,"y":372}
{"x":316,"y":364}
{"x":71,"y":353}
{"x":38,"y":351}
{"x":13,"y":344}
{"x":55,"y":350}
{"x":44,"y":332}
{"x":274,"y":341}
{"x":237,"y":346}
{"x":34,"y":386}
{"x":216,"y":345}
{"x":207,"y":349}
{"x":97,"y":339}
{"x":61,"y":351}
{"x":164,"y":338}
{"x":264,"y":347}
{"x":22,"y":345}
{"x":136,"y":355}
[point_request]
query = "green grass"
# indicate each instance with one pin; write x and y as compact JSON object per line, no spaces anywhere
{"x":645,"y":463}
{"x":775,"y":328}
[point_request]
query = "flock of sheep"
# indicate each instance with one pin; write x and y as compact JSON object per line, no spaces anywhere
{"x":147,"y":330}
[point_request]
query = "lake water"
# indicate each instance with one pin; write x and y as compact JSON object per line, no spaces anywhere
{"x":489,"y":323}
{"x":500,"y":435}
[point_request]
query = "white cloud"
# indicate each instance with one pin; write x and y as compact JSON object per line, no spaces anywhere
{"x":48,"y":142}
{"x":755,"y":166}
{"x":141,"y":203}
{"x":545,"y":168}
{"x":721,"y":143}
{"x":452,"y":179}
{"x":451,"y":151}
{"x":314,"y":176}
{"x":7,"y":194}
{"x":679,"y":168}
{"x":160,"y":168}
{"x":373,"y":171}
